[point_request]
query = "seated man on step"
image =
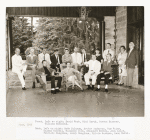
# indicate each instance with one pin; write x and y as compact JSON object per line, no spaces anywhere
{"x":19,"y":67}
{"x":94,"y":70}
{"x":106,"y":72}
{"x":49,"y":72}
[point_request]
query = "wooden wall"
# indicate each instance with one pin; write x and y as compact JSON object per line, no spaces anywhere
{"x":58,"y":11}
{"x":135,"y":33}
{"x":135,"y":14}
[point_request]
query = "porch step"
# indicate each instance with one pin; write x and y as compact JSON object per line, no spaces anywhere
{"x":13,"y":80}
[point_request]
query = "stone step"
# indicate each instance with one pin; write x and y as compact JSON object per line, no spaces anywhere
{"x":13,"y":80}
{"x":29,"y":85}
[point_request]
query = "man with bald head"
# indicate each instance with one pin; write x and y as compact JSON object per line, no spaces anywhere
{"x":131,"y":63}
{"x":19,"y":67}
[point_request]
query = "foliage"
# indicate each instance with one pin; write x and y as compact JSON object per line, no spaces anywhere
{"x":21,"y":34}
{"x":36,"y":50}
{"x":66,"y":32}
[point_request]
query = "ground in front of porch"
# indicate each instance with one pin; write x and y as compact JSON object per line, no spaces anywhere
{"x":118,"y":102}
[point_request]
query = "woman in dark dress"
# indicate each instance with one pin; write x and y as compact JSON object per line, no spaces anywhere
{"x":98,"y":56}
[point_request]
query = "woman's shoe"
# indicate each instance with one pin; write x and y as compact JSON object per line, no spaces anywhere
{"x":118,"y":84}
{"x":122,"y":84}
{"x":82,"y":90}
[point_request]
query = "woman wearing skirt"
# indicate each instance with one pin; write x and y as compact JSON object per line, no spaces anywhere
{"x":122,"y":56}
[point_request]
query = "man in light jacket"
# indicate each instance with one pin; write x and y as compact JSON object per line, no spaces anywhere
{"x":44,"y":56}
{"x":108,"y":51}
{"x":19,"y":67}
{"x":94,"y":70}
{"x":76,"y":57}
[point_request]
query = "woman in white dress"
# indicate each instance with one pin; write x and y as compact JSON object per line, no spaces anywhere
{"x":69,"y":73}
{"x":122,"y":56}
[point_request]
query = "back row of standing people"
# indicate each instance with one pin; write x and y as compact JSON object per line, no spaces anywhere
{"x":54,"y":61}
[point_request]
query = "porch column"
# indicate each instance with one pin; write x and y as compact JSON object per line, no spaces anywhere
{"x":10,"y":42}
{"x":103,"y":36}
{"x":7,"y":44}
{"x":100,"y":37}
{"x":101,"y":33}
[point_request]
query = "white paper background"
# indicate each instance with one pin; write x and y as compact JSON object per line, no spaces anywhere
{"x":8,"y":125}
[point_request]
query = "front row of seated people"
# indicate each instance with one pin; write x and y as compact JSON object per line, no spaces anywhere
{"x":96,"y":72}
{"x":19,"y":67}
{"x":50,"y":76}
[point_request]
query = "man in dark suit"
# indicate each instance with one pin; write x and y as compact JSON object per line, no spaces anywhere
{"x":106,"y":72}
{"x":85,"y":57}
{"x":49,"y":72}
{"x":56,"y":60}
{"x":131,"y":63}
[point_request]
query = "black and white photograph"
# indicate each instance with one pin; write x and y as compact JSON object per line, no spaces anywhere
{"x":75,"y":61}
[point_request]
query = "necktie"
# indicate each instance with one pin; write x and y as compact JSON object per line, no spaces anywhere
{"x":57,"y":59}
{"x":76,"y":57}
{"x":108,"y":52}
{"x":129,"y":53}
{"x":84,"y":58}
{"x":31,"y":57}
{"x":44,"y":56}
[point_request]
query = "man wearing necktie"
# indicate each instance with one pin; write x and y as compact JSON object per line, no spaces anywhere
{"x":44,"y":56}
{"x":98,"y":55}
{"x":85,"y":58}
{"x":76,"y":58}
{"x":56,"y":59}
{"x":108,"y":51}
{"x":131,"y":63}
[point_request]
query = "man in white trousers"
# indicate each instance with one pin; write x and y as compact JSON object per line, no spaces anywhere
{"x":94,"y":70}
{"x":19,"y":67}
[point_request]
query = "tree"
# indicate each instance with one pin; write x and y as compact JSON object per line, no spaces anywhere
{"x":65,"y":32}
{"x":21,"y":34}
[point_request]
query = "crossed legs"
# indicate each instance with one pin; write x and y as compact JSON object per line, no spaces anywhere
{"x":73,"y":79}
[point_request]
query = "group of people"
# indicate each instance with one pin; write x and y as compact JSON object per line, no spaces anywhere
{"x":93,"y":66}
{"x":127,"y":62}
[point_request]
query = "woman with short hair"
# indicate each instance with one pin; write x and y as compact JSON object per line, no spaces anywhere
{"x":32,"y":62}
{"x":66,"y":58}
{"x":122,"y":56}
{"x":98,"y":55}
